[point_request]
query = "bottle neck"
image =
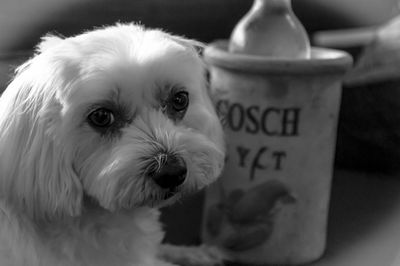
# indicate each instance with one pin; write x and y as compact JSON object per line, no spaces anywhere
{"x":267,"y":6}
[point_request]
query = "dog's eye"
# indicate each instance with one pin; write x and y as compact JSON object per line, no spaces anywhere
{"x":180,"y":101}
{"x":101,"y":117}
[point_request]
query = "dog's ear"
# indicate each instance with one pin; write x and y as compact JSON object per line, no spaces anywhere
{"x":36,"y":166}
{"x":47,"y":42}
{"x":193,"y":45}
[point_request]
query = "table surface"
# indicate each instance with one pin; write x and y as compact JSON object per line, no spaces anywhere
{"x":364,"y":221}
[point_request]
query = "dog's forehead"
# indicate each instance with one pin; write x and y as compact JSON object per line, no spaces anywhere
{"x":135,"y":67}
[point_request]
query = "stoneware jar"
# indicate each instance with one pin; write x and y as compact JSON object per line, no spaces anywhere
{"x":270,"y":206}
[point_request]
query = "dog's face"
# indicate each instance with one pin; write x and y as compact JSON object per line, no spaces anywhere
{"x":120,"y":114}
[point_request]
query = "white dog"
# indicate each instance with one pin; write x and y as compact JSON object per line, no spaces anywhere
{"x":96,"y":132}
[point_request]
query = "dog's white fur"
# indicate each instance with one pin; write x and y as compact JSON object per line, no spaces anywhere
{"x":73,"y":196}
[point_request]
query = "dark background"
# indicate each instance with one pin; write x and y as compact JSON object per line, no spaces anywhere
{"x":22,"y":22}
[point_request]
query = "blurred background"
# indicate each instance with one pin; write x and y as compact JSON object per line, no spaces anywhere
{"x":23,"y":22}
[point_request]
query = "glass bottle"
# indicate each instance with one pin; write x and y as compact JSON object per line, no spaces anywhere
{"x":270,"y":28}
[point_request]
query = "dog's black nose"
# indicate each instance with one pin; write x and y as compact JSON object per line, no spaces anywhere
{"x":170,"y":173}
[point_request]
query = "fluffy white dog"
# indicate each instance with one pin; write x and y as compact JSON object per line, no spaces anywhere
{"x":96,"y":132}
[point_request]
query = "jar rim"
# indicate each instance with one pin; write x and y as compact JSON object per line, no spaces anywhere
{"x":322,"y":60}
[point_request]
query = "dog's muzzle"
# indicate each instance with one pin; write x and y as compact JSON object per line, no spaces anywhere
{"x":170,"y":171}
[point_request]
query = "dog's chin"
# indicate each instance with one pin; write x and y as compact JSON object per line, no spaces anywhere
{"x":158,"y":200}
{"x":168,"y":198}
